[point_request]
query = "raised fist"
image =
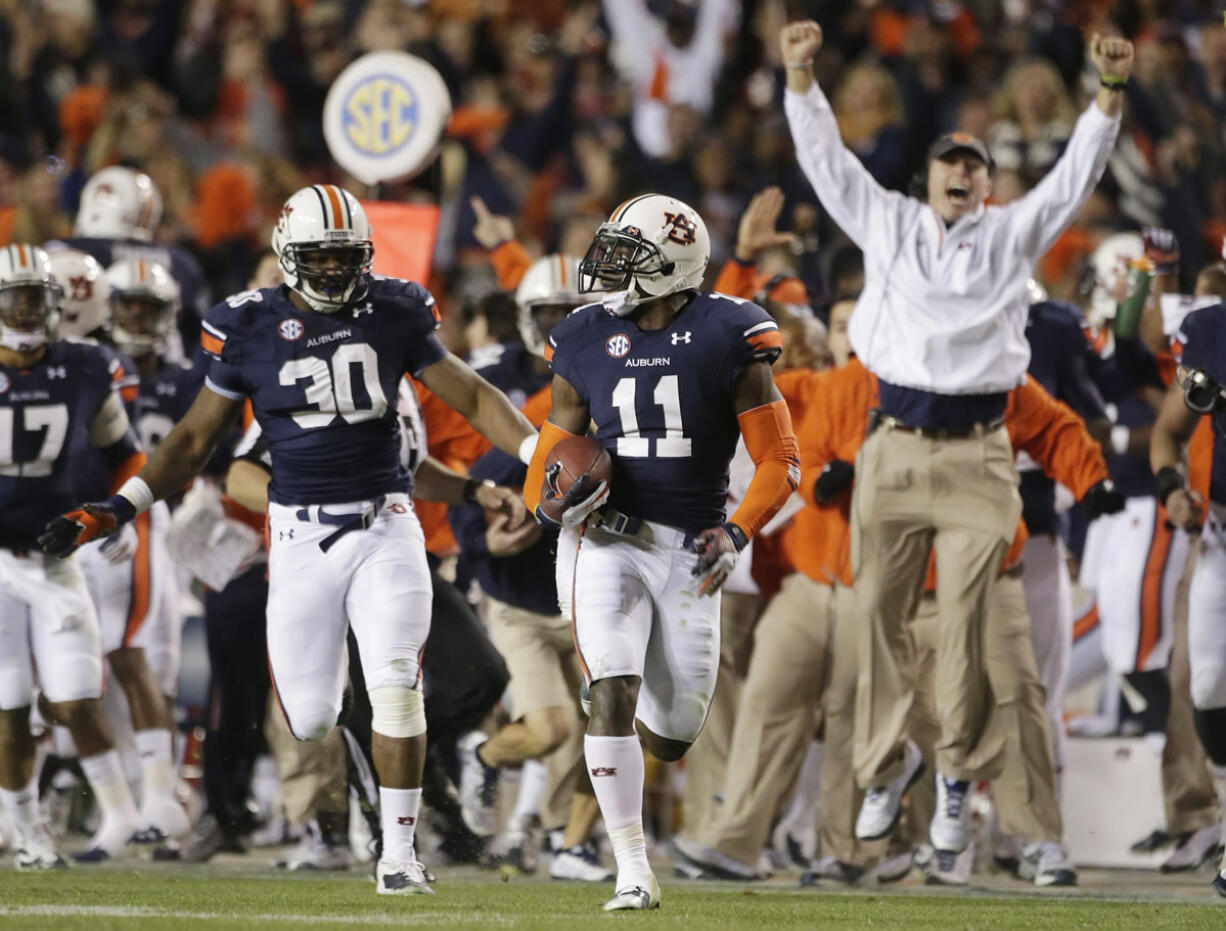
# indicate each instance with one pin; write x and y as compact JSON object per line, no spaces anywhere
{"x":799,"y":42}
{"x":1112,"y":56}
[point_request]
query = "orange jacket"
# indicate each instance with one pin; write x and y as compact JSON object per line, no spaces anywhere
{"x":510,"y":260}
{"x":739,"y":279}
{"x":836,"y":425}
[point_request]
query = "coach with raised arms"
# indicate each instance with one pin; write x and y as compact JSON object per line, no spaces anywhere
{"x":941,"y":323}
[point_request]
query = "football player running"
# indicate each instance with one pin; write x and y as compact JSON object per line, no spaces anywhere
{"x":667,"y":374}
{"x":57,"y":401}
{"x":321,"y":359}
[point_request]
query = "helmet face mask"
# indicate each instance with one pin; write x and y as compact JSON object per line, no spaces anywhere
{"x":322,"y":241}
{"x":652,"y":246}
{"x":29,"y":299}
{"x":143,"y":306}
{"x":616,"y":258}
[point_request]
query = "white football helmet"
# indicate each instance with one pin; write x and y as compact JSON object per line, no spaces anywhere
{"x":322,"y":240}
{"x":29,"y":298}
{"x":548,"y":292}
{"x":651,"y":246}
{"x":1109,"y":266}
{"x":119,"y":203}
{"x":85,"y":306}
{"x":144,"y":301}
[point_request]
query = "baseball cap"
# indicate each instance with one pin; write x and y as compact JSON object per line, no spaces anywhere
{"x":954,"y":142}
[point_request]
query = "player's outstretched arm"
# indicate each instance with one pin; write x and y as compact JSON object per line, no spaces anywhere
{"x":1174,"y":427}
{"x":177,"y":460}
{"x":481,"y":404}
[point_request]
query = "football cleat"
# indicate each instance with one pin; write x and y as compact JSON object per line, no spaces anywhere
{"x":164,"y":816}
{"x":401,"y":877}
{"x":36,"y":850}
{"x":883,"y":804}
{"x":1047,"y":863}
{"x":109,"y":841}
{"x":478,"y":786}
{"x":579,"y":864}
{"x":635,"y":897}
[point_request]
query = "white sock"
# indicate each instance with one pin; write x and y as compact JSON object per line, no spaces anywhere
{"x":106,"y":778}
{"x":616,"y":767}
{"x":21,"y":805}
{"x":156,"y":763}
{"x":532,"y":781}
{"x":398,"y":814}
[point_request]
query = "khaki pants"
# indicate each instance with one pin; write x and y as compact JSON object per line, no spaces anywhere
{"x":313,"y":773}
{"x":540,"y":655}
{"x":914,"y":496}
{"x":1027,"y":800}
{"x":776,"y":718}
{"x":707,"y":760}
{"x":841,"y":797}
{"x":1188,"y":792}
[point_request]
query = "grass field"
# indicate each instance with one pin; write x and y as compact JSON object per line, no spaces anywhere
{"x":246,"y":894}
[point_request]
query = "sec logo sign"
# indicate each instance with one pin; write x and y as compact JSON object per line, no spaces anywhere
{"x":384,"y":116}
{"x":291,"y":329}
{"x":617,"y":346}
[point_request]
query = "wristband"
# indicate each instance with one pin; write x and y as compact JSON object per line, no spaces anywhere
{"x":1119,"y":440}
{"x":471,"y":486}
{"x":1113,"y":84}
{"x":1167,"y":481}
{"x":137,"y":493}
{"x":739,"y":539}
{"x":527,"y":448}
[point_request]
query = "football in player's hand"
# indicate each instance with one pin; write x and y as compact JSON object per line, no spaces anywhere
{"x":577,"y":455}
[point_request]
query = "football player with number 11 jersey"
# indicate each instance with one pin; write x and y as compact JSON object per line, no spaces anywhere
{"x":669,"y":376}
{"x":321,"y":359}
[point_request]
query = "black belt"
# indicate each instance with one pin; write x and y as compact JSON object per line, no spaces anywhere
{"x":617,"y":522}
{"x":344,"y":523}
{"x":945,"y":433}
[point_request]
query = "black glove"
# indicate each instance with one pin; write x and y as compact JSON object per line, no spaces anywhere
{"x":834,"y":478}
{"x":90,"y":522}
{"x":1102,"y":499}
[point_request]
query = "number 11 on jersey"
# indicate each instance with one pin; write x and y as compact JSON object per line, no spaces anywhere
{"x":674,"y":444}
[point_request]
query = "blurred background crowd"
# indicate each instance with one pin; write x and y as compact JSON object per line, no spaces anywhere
{"x":562,"y":108}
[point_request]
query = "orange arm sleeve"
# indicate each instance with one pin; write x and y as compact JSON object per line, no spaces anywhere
{"x":551,"y":436}
{"x":1055,"y":438}
{"x":129,"y":467}
{"x":737,"y":280}
{"x":772,"y":446}
{"x":510,"y":260}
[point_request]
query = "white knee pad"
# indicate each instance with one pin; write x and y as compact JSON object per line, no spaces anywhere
{"x":396,"y":711}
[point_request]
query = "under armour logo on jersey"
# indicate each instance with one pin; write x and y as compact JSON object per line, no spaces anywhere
{"x":604,"y":771}
{"x":285,"y":534}
{"x":57,"y":371}
{"x":679,"y":338}
{"x":364,"y":309}
{"x":681,"y":228}
{"x":406,"y":821}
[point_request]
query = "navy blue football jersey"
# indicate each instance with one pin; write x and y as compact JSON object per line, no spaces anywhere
{"x":662,"y":400}
{"x":1123,"y":376}
{"x":92,"y":470}
{"x":163,"y":399}
{"x":511,"y":369}
{"x":324,"y":386}
{"x":1061,"y":361}
{"x":46,"y":413}
{"x":1201,"y":344}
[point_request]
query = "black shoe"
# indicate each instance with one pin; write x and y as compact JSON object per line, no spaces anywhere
{"x":1154,"y":840}
{"x":207,"y":840}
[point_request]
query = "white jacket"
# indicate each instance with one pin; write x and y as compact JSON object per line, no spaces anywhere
{"x":944,"y":310}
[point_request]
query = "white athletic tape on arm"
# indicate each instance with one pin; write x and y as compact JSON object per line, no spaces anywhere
{"x":397,"y":712}
{"x":527,"y":448}
{"x":138,"y":492}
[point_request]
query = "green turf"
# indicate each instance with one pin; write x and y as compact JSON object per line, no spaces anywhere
{"x":149,"y":898}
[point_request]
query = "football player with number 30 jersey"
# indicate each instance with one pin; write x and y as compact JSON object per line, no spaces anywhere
{"x":321,"y":359}
{"x":668,"y":376}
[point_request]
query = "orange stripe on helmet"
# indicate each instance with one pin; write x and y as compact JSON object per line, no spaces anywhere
{"x":21,"y":254}
{"x":334,"y":200}
{"x":562,"y":270}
